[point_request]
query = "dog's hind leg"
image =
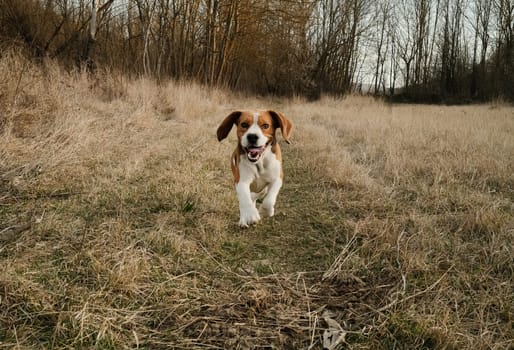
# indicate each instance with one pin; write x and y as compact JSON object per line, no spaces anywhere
{"x":259,"y":195}
{"x":268,"y":204}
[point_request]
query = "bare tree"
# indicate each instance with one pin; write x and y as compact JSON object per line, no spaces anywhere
{"x":382,"y":11}
{"x":480,"y":24}
{"x":503,"y":76}
{"x":338,"y":27}
{"x":282,"y":46}
{"x":451,"y":47}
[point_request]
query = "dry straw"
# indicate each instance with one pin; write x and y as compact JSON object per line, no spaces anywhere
{"x":118,"y":221}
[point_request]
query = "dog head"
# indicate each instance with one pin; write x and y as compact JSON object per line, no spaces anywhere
{"x":255,"y":130}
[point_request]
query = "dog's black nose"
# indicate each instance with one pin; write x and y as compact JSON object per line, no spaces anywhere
{"x":252,"y":138}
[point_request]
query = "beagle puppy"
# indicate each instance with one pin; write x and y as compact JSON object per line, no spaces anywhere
{"x":257,"y":160}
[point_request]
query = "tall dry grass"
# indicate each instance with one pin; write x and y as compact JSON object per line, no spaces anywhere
{"x":118,"y":221}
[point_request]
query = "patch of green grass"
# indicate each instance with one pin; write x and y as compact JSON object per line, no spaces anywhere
{"x":404,"y":333}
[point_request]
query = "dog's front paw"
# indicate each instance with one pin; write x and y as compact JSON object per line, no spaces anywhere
{"x":248,"y":217}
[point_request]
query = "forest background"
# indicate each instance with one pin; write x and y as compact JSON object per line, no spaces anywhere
{"x":449,"y":51}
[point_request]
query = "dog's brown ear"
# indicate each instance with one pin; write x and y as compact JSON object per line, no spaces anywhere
{"x":226,"y":125}
{"x":283,"y":123}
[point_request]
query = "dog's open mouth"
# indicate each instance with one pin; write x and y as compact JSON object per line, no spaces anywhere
{"x":254,"y":153}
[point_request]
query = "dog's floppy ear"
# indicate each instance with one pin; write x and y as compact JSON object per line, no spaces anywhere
{"x":283,"y":123}
{"x":226,"y":125}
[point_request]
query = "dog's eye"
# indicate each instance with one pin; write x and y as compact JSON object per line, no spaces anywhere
{"x":265,"y":126}
{"x":244,"y":125}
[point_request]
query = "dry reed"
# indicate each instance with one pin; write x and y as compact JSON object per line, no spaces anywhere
{"x":118,"y":221}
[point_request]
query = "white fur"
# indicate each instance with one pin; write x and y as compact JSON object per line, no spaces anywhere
{"x":254,"y":129}
{"x":265,"y":175}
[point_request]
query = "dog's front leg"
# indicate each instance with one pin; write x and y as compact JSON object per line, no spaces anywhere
{"x":248,"y":213}
{"x":268,"y":204}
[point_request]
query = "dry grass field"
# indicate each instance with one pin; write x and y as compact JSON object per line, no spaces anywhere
{"x":118,"y":221}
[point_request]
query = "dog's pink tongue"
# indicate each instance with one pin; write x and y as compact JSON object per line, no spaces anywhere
{"x":254,"y":152}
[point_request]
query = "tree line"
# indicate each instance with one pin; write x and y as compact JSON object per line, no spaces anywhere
{"x":413,"y":50}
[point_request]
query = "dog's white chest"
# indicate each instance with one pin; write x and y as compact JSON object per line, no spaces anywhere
{"x":266,"y":170}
